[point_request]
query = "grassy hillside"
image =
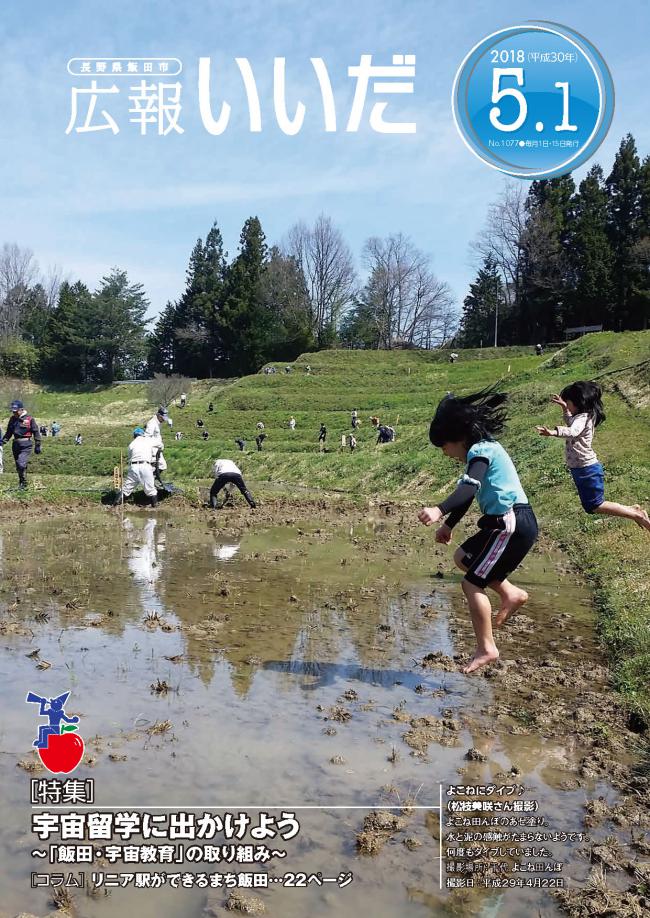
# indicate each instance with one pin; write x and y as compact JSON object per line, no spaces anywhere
{"x":402,"y":388}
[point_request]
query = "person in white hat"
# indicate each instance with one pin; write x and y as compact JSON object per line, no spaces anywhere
{"x":152,"y":430}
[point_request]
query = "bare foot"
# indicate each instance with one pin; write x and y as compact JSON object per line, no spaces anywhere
{"x":642,"y":519}
{"x":509,"y":606}
{"x":479,"y":660}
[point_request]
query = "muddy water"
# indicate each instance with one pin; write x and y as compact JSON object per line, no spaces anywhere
{"x":285,"y":656}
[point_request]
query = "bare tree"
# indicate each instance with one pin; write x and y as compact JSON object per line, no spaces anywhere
{"x":326,"y":263}
{"x":502,"y":237}
{"x":407,"y":302}
{"x":51,"y":283}
{"x":162,"y":390}
{"x":18,"y":271}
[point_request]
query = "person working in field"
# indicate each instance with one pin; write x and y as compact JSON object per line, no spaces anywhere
{"x":464,"y":428}
{"x":152,"y":430}
{"x":226,"y":472}
{"x":141,"y":463}
{"x":583,"y":411}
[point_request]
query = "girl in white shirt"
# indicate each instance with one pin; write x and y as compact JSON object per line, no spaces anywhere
{"x":581,"y":404}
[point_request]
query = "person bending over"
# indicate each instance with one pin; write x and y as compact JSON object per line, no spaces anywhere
{"x":226,"y":472}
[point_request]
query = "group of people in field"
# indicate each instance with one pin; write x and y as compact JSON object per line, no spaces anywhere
{"x":466,"y":428}
{"x":385,"y":433}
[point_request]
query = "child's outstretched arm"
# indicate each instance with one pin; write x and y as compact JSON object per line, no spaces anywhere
{"x":574,"y":429}
{"x":458,"y":503}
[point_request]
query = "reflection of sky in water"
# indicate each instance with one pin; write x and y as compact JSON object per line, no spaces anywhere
{"x":248,"y":704}
{"x":225,"y":552}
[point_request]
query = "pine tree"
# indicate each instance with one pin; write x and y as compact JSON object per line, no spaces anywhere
{"x":482,"y":308}
{"x":284,"y":295}
{"x":197,"y":348}
{"x":35,"y":317}
{"x":162,"y":342}
{"x":641,"y":253}
{"x":189,"y":327}
{"x":359,"y":327}
{"x":209,"y":298}
{"x":590,"y":298}
{"x":69,"y":348}
{"x":624,"y":227}
{"x":545,"y":266}
{"x":119,"y":319}
{"x":244,"y":322}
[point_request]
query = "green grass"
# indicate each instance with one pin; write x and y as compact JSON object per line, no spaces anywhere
{"x":402,"y":388}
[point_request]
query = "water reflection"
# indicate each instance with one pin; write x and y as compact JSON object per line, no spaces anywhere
{"x":143,"y":561}
{"x":225,"y":552}
{"x":265,"y":634}
{"x":318,"y":674}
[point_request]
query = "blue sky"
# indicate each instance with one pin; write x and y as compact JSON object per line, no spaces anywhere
{"x":87,"y":202}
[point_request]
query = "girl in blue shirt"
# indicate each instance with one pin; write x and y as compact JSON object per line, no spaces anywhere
{"x":465,"y":429}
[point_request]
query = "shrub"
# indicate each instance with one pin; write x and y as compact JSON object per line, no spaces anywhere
{"x":18,"y":358}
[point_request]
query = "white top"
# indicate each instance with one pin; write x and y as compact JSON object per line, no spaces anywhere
{"x":141,"y":449}
{"x":578,"y":433}
{"x":153,"y":430}
{"x":225,"y":467}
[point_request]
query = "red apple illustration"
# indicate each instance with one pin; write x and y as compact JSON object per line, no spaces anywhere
{"x":63,"y":752}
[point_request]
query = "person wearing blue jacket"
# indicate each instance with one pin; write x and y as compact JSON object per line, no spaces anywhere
{"x":26,"y":437}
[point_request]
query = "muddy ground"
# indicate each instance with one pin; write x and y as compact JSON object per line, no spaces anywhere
{"x":357,"y":608}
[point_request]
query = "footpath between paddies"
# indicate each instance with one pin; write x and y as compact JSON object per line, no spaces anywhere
{"x":402,"y":389}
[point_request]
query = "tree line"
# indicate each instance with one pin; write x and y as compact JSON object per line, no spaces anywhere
{"x":275,"y":303}
{"x":56,"y":329}
{"x":554,"y":257}
{"x":234,"y":315}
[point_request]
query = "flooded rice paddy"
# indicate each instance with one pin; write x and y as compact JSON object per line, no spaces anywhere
{"x":307,"y":661}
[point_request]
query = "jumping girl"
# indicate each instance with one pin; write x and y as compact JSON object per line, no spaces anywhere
{"x":581,"y":403}
{"x":465,"y":429}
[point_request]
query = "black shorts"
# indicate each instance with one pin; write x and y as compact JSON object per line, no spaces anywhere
{"x":501,"y":545}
